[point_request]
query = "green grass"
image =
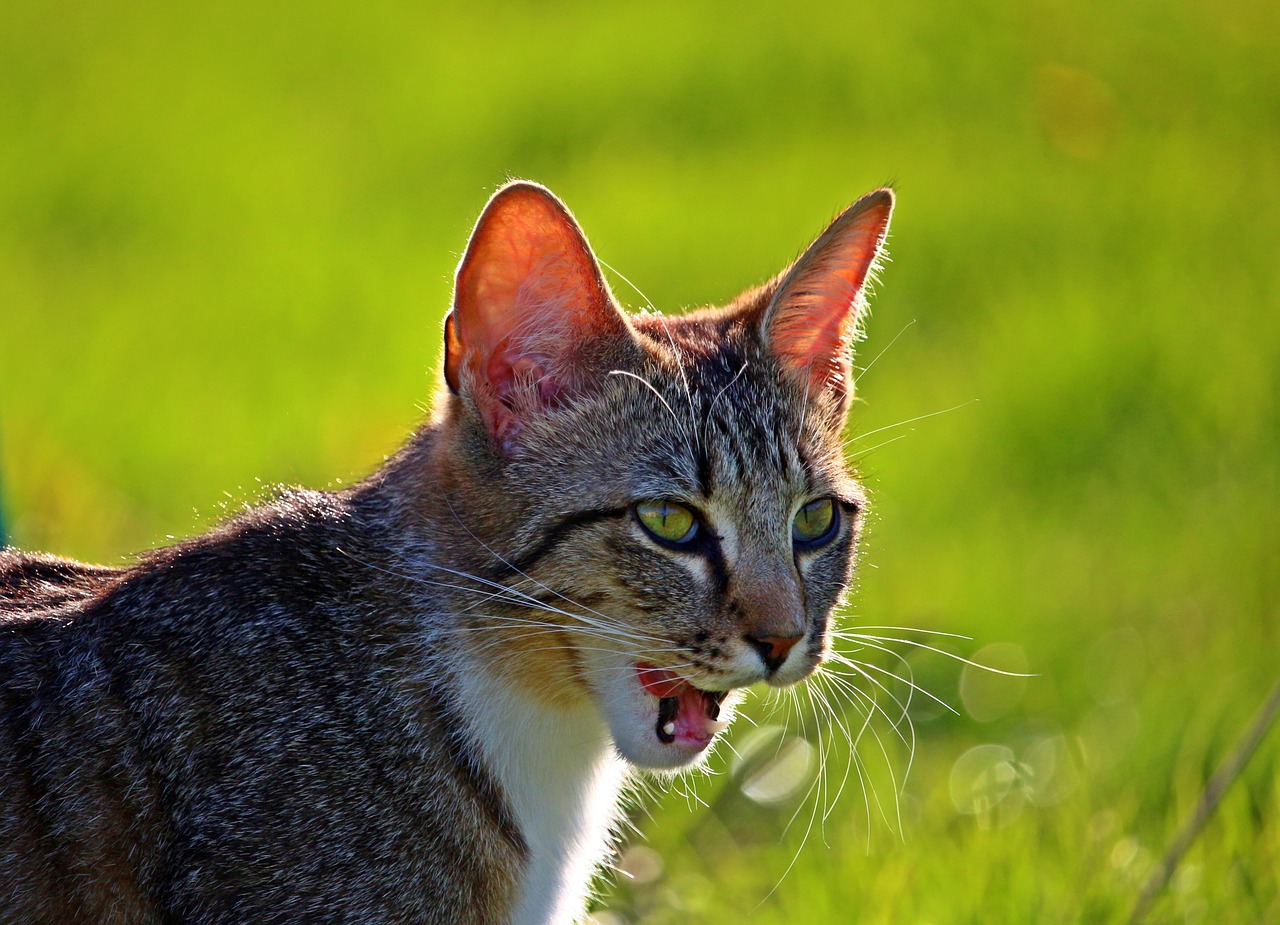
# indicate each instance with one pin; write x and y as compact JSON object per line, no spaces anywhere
{"x":226,"y":240}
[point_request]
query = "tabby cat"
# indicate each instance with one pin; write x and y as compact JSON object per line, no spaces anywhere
{"x":418,"y":699}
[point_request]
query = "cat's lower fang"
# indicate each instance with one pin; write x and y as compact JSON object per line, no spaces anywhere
{"x":687,"y":717}
{"x":668,"y":708}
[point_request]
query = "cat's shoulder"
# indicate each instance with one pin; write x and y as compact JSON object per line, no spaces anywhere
{"x":38,"y":581}
{"x":291,"y":531}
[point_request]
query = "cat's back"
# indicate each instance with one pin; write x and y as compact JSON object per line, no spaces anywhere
{"x":65,"y":616}
{"x":40,"y":597}
{"x":217,"y":732}
{"x":32,"y":585}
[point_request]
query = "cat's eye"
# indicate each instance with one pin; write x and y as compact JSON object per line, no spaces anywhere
{"x":667,"y":521}
{"x":815,"y":523}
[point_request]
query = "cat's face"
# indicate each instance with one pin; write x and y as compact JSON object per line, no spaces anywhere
{"x":686,"y":518}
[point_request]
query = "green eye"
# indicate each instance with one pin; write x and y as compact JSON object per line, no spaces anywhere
{"x":667,"y":521}
{"x":814,"y":522}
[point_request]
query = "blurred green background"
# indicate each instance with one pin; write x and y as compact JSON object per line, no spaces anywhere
{"x":227,"y":233}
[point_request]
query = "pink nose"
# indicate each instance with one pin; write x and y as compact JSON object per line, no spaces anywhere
{"x":773,"y":649}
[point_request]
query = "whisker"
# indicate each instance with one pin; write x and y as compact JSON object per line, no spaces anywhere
{"x":841,"y":633}
{"x":944,"y":652}
{"x":919,"y":417}
{"x":853,"y":690}
{"x":866,"y":369}
{"x":864,"y":453}
{"x":858,"y":665}
{"x":728,"y":385}
{"x":649,"y":385}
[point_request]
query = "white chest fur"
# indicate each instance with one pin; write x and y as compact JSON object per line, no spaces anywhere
{"x":562,"y":777}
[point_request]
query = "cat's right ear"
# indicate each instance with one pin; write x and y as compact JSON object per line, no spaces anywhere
{"x":531,"y":311}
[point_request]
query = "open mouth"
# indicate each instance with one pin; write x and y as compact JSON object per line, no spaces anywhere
{"x":688,"y":718}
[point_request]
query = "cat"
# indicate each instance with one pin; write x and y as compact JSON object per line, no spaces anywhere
{"x":420,"y":698}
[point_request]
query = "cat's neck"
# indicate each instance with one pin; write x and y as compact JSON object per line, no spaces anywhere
{"x":451,"y":493}
{"x":539,"y":733}
{"x":563,"y":780}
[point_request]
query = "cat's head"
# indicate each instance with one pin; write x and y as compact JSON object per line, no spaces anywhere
{"x":666,"y":497}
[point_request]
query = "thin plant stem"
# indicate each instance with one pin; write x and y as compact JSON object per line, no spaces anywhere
{"x":1218,"y":784}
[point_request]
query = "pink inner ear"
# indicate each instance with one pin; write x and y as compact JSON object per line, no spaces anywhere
{"x":815,"y":333}
{"x":528,"y":296}
{"x":810,"y":323}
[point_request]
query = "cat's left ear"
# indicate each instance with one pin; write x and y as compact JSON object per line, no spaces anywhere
{"x":809,"y":323}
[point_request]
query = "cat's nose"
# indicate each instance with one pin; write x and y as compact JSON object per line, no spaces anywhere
{"x":773,"y":649}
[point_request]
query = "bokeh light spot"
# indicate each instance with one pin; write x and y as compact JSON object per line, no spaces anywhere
{"x":774,"y":766}
{"x":982,"y":779}
{"x":1052,"y":775}
{"x":641,"y":864}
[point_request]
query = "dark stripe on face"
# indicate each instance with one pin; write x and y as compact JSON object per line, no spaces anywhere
{"x":715,"y":561}
{"x":851,"y":508}
{"x":706,"y":478}
{"x":707,"y":545}
{"x":558,"y":533}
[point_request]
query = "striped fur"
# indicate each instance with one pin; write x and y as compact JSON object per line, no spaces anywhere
{"x":416,"y":699}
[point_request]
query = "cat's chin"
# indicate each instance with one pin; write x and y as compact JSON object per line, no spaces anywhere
{"x":638,"y":743}
{"x":652,"y":755}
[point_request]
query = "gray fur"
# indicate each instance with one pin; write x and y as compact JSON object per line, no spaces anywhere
{"x":263,"y":723}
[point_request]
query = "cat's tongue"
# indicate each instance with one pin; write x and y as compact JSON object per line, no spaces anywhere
{"x":687,"y":717}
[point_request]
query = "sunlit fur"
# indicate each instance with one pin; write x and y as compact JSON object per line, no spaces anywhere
{"x":444,"y":656}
